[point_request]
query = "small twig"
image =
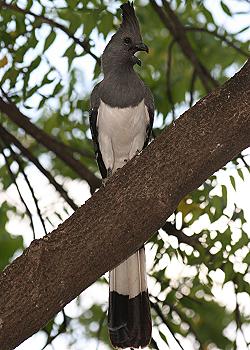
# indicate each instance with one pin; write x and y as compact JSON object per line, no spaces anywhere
{"x":83,"y":43}
{"x":61,"y":329}
{"x":159,"y":312}
{"x":13,"y":177}
{"x":170,"y":229}
{"x":100,"y":329}
{"x":16,"y":158}
{"x":238,"y":317}
{"x":219,"y":36}
{"x":168,"y":78}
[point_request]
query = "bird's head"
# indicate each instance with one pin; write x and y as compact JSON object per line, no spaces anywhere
{"x":123,"y":45}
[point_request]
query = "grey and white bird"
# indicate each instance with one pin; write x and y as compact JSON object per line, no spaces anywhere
{"x":121,"y":120}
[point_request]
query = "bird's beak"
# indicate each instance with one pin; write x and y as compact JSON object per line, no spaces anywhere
{"x":141,"y":47}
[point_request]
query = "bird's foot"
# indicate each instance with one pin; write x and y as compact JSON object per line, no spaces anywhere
{"x":109,"y":174}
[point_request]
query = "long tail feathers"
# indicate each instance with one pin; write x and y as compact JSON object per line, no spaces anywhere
{"x":129,"y":317}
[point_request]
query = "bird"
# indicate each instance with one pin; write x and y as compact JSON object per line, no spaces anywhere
{"x":121,"y":120}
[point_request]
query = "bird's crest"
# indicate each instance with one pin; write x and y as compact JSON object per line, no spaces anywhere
{"x":129,"y":19}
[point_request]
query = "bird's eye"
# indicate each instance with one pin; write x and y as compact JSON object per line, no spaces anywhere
{"x":127,"y":40}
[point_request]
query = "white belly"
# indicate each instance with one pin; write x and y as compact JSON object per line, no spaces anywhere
{"x":121,"y":133}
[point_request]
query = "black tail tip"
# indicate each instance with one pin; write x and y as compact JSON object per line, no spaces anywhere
{"x":130,"y":323}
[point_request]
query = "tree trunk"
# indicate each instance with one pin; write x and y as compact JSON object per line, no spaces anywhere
{"x":120,"y":217}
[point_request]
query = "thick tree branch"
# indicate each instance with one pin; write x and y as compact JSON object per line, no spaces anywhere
{"x":173,"y":24}
{"x":118,"y":218}
{"x":60,"y":149}
{"x":83,"y":43}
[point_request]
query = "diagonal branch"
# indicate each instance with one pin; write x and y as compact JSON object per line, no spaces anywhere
{"x":21,"y":169}
{"x":170,"y":229}
{"x":173,"y":24}
{"x":168,"y":78}
{"x":118,"y":218}
{"x":159,"y":312}
{"x":13,"y":177}
{"x":219,"y":36}
{"x":61,"y":150}
{"x":83,"y":43}
{"x":27,"y":154}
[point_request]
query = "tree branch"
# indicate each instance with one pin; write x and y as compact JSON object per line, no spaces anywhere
{"x":172,"y":23}
{"x":159,"y":312}
{"x":60,"y":149}
{"x":219,"y":36}
{"x":21,"y":169}
{"x":83,"y":43}
{"x":168,"y":78}
{"x":4,"y":134}
{"x":13,"y":178}
{"x":116,"y":221}
{"x":170,"y":229}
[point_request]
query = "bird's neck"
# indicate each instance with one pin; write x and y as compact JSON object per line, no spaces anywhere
{"x":123,"y":71}
{"x":122,"y":88}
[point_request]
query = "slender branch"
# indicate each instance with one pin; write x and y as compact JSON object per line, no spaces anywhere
{"x":13,"y":177}
{"x":159,"y":312}
{"x":168,"y":78}
{"x":172,"y":23}
{"x":98,"y":335}
{"x":50,"y":338}
{"x":83,"y":43}
{"x":190,"y":323}
{"x":59,"y":148}
{"x":170,"y":229}
{"x":16,"y":158}
{"x":219,"y":36}
{"x":27,"y":154}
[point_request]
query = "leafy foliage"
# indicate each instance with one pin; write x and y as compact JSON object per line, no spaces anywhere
{"x":46,"y":47}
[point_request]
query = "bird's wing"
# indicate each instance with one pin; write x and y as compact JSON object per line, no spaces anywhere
{"x":149,"y":103}
{"x":93,"y":114}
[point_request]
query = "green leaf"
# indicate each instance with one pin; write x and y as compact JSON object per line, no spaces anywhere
{"x":232,"y":180}
{"x":57,"y":88}
{"x":224,"y":193}
{"x":35,"y":63}
{"x":229,"y":271}
{"x":240,"y":172}
{"x":49,"y":40}
{"x":70,"y":53}
{"x":226,"y":8}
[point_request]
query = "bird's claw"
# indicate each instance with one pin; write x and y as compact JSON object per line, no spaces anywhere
{"x":109,"y":174}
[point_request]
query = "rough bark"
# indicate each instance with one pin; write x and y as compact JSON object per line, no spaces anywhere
{"x":120,"y":217}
